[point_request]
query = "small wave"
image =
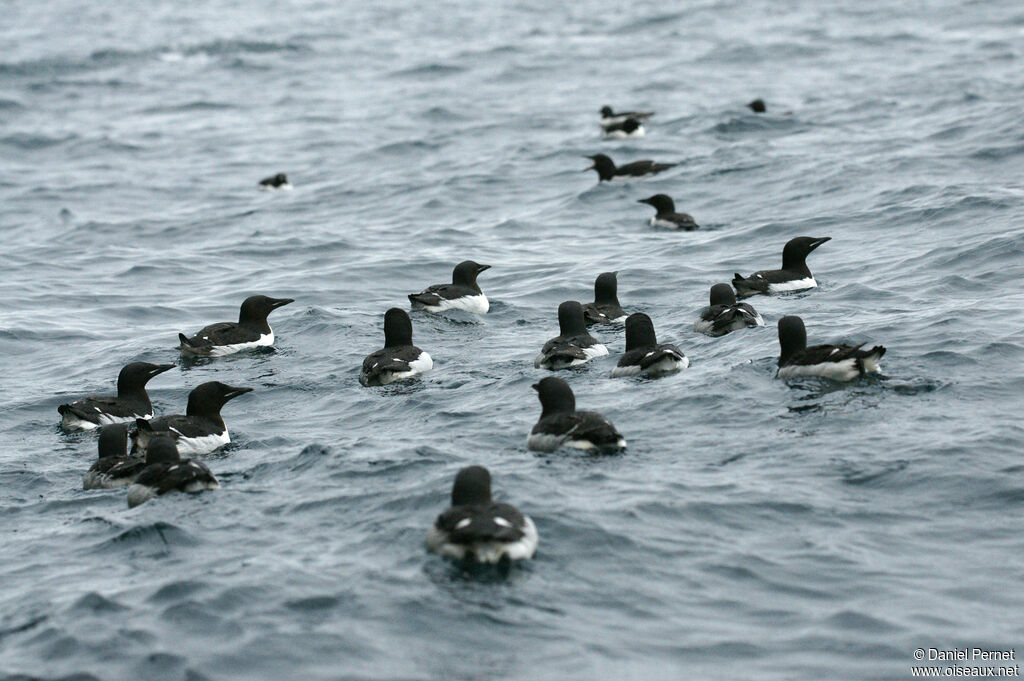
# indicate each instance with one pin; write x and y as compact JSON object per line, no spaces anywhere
{"x":427,"y":71}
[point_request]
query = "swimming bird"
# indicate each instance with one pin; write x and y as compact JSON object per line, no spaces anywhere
{"x":279,"y":181}
{"x":476,"y":528}
{"x":644,"y":355}
{"x":666,"y":216}
{"x":560,"y":425}
{"x":399,"y":358}
{"x":724,"y":314}
{"x":200,"y":429}
{"x":838,"y":362}
{"x":607,"y":170}
{"x":132,"y":401}
{"x":573,"y":345}
{"x":794,"y":275}
{"x":609,"y":117}
{"x":630,"y":128}
{"x":250,"y":331}
{"x":462,"y":294}
{"x":115,"y":467}
{"x":166,"y":471}
{"x":605,"y":309}
{"x":757,"y":106}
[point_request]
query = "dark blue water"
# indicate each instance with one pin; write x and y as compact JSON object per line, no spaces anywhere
{"x":753,"y":529}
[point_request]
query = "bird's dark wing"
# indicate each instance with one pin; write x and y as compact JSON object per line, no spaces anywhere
{"x":223,"y":333}
{"x":659,"y":353}
{"x":390,"y":360}
{"x":643,"y":168}
{"x":123,"y":467}
{"x":589,"y":425}
{"x":178,"y":476}
{"x":490,"y":522}
{"x":90,"y":408}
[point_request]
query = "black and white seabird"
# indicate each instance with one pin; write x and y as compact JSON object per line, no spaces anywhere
{"x":279,"y":181}
{"x":725,"y":314}
{"x":225,"y":338}
{"x":630,"y":128}
{"x":837,"y":362}
{"x":399,"y":358}
{"x":607,"y":170}
{"x":644,"y":355}
{"x":757,"y":106}
{"x":166,"y":471}
{"x":605,"y":309}
{"x":609,"y":117}
{"x":115,"y":467}
{"x":132,"y":401}
{"x":573,"y":345}
{"x":200,"y":429}
{"x":560,"y":425}
{"x":462,"y":294}
{"x":476,"y":528}
{"x":794,"y":275}
{"x":666,"y":215}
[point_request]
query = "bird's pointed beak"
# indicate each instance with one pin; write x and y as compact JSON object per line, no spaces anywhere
{"x":234,"y":392}
{"x":536,"y":386}
{"x":160,"y":368}
{"x":281,"y":302}
{"x":481,"y":268}
{"x":818,"y":242}
{"x":647,"y":201}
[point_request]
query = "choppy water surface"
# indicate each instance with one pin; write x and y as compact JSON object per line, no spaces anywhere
{"x":752,"y":530}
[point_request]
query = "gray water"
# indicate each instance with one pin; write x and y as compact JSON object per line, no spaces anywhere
{"x":753,"y":530}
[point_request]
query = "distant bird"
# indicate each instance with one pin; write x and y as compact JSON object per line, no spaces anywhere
{"x":560,"y":425}
{"x":166,"y":471}
{"x":573,"y":345}
{"x":630,"y":128}
{"x":644,"y":355}
{"x":605,"y":309}
{"x":250,"y":331}
{"x":477,"y":529}
{"x":837,"y":362}
{"x":399,"y":358}
{"x":794,"y":275}
{"x":115,"y":467}
{"x":132,"y":401}
{"x":609,"y":117}
{"x":279,"y":181}
{"x":606,"y":169}
{"x":462,"y":294}
{"x":666,"y":215}
{"x":200,"y":429}
{"x":725,"y":314}
{"x":757,"y":106}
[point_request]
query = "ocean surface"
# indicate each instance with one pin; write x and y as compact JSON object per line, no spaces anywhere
{"x":753,"y":529}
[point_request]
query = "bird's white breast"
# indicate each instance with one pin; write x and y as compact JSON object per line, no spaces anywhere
{"x":793,"y":285}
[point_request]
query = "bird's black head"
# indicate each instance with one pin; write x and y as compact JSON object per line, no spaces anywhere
{"x":113,"y":440}
{"x":607,"y":112}
{"x":792,"y":337}
{"x":606,"y":288}
{"x":397,"y":328}
{"x":256,"y":308}
{"x":630,"y":125}
{"x":604,"y":166}
{"x":555,"y":396}
{"x":796,"y":250}
{"x":472,"y":487}
{"x":639,"y":332}
{"x":662,"y":203}
{"x":161,"y":449}
{"x":207,"y":399}
{"x":465,"y":273}
{"x":280,"y":179}
{"x":722,"y":294}
{"x":134,"y":376}
{"x":570,"y":319}
{"x":757,"y":106}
